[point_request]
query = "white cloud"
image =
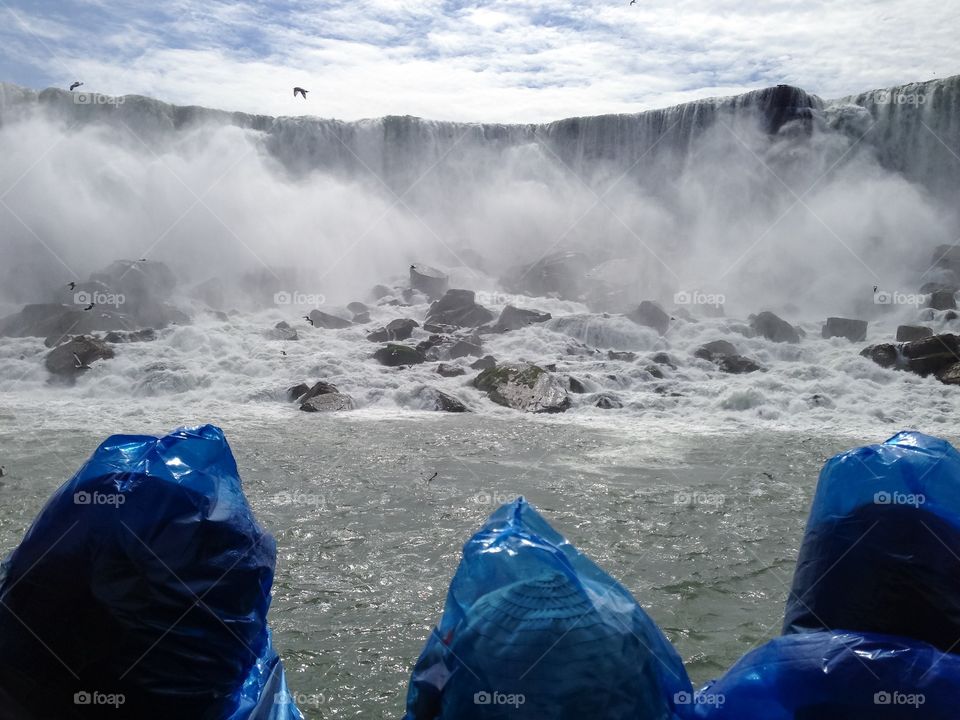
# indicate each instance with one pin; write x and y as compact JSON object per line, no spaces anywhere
{"x":503,"y":60}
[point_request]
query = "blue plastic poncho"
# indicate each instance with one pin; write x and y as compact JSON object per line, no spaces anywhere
{"x":836,"y":676}
{"x":533,"y":629}
{"x":143,"y":587}
{"x":882,"y":548}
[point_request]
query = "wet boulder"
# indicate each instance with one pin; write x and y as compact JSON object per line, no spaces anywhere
{"x":431,"y":282}
{"x":320,"y":388}
{"x":328,"y":321}
{"x":852,"y":330}
{"x":74,"y":357}
{"x":282,"y":331}
{"x":773,"y":328}
{"x":884,"y":354}
{"x":942,"y":300}
{"x":909,"y":333}
{"x":651,"y":314}
{"x":950,"y":375}
{"x":394,"y":355}
{"x":458,"y":308}
{"x":484,"y":363}
{"x":451,"y":349}
{"x":327,"y":402}
{"x":445,"y":370}
{"x":442,"y":402}
{"x":562,"y":275}
{"x":514,"y":318}
{"x":379,"y":292}
{"x":400,"y":329}
{"x":297,"y":391}
{"x":931,"y":355}
{"x":524,"y":387}
{"x":623,"y":356}
{"x":608,"y":402}
{"x":133,"y":336}
{"x":724,"y":355}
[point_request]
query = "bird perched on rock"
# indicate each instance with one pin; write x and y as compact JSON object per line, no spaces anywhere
{"x":302,"y":92}
{"x":75,"y":85}
{"x":80,"y":364}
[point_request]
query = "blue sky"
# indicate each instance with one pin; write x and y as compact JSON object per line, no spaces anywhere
{"x":503,"y":60}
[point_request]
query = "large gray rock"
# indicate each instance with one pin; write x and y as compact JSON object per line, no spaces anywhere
{"x":909,"y":333}
{"x":852,"y":330}
{"x":651,"y":314}
{"x":395,"y":330}
{"x":394,"y":355}
{"x":72,"y":358}
{"x":524,"y":387}
{"x":934,"y":355}
{"x":328,"y":321}
{"x":459,"y":308}
{"x":431,"y":282}
{"x":561,"y":275}
{"x":282,"y":331}
{"x":451,"y":349}
{"x":442,"y":402}
{"x":449,"y":371}
{"x":319,"y":388}
{"x":59,"y":322}
{"x":134,"y":336}
{"x":725,"y":356}
{"x":328,"y":402}
{"x":943,"y":300}
{"x":514,"y":318}
{"x":773,"y":328}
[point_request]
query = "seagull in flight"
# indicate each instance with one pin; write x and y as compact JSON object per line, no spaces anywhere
{"x":72,"y":285}
{"x":91,"y":306}
{"x":75,"y":85}
{"x":301,"y":91}
{"x":308,"y":319}
{"x":633,"y":2}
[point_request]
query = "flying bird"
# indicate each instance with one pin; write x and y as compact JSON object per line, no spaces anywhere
{"x":72,"y":285}
{"x":75,"y":85}
{"x":633,"y":2}
{"x":91,"y":306}
{"x":283,"y":352}
{"x":308,"y":319}
{"x":80,"y":365}
{"x":301,"y":91}
{"x":2,"y":471}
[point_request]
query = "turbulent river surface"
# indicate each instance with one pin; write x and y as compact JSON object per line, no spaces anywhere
{"x":702,"y":528}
